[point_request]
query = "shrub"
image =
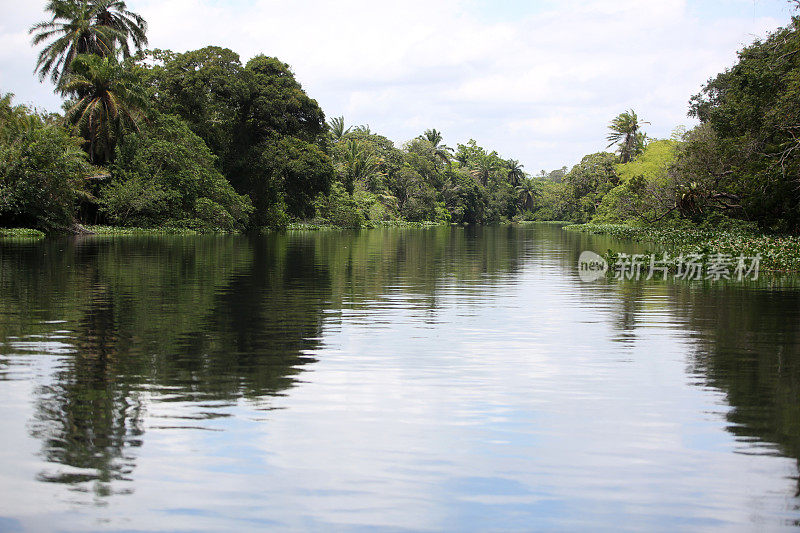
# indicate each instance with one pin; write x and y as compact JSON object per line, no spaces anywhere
{"x":41,"y":171}
{"x":166,"y":173}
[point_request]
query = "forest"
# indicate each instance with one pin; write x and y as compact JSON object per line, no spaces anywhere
{"x":199,"y":140}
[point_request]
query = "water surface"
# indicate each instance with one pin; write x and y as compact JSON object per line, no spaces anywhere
{"x":443,"y":379}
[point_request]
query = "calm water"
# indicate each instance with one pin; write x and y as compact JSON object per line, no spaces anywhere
{"x":442,"y":379}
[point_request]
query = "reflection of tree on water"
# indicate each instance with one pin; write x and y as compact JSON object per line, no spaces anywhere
{"x":235,"y":324}
{"x":748,"y":351}
{"x":744,"y":348}
{"x":89,"y":418}
{"x":206,"y":321}
{"x":254,"y":337}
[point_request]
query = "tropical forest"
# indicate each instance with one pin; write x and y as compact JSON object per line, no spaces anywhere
{"x":201,"y":141}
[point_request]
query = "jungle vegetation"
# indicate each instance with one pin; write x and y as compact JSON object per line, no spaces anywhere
{"x":203,"y":141}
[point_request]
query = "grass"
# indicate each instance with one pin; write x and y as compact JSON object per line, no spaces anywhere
{"x":314,"y":226}
{"x":118,"y":230}
{"x":778,"y":253}
{"x":24,"y":233}
{"x":20,"y":233}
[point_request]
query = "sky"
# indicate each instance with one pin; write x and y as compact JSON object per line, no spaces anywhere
{"x":536,"y":80}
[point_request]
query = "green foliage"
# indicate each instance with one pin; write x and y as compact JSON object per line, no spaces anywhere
{"x":754,"y":110}
{"x":164,"y":174}
{"x":268,"y":135}
{"x":20,"y":233}
{"x":466,"y":199}
{"x":108,"y":103}
{"x":97,"y":27}
{"x":552,"y":202}
{"x":339,"y":208}
{"x":202,"y":87}
{"x":779,"y":253}
{"x":625,"y":132}
{"x":136,"y":200}
{"x":528,"y":191}
{"x":587,"y":183}
{"x":41,"y":171}
{"x":284,"y":174}
{"x":336,"y":129}
{"x":646,"y":190}
{"x":484,"y":166}
{"x":358,"y":163}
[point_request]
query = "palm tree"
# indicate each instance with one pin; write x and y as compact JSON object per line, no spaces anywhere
{"x":515,"y":172}
{"x":528,"y":191}
{"x":337,"y":129}
{"x":483,"y":168}
{"x":360,"y":164}
{"x":107,"y":103}
{"x":625,"y":132}
{"x":99,"y":27}
{"x":441,"y":151}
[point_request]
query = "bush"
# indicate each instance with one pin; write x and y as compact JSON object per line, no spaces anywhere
{"x":166,"y":173}
{"x":136,"y":201}
{"x":41,"y":171}
{"x":338,"y":208}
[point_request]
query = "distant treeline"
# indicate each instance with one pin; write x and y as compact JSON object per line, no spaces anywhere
{"x":740,"y":165}
{"x":199,"y":140}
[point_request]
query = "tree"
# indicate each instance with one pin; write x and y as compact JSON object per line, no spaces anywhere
{"x":441,"y":151}
{"x":337,"y":129}
{"x":204,"y":87}
{"x":753,"y":109}
{"x":465,"y":199}
{"x":99,"y":27}
{"x":358,"y":164}
{"x":41,"y":170}
{"x":625,"y":132}
{"x":646,"y":191}
{"x":108,"y":102}
{"x":483,"y":167}
{"x":528,"y":192}
{"x":515,"y":172}
{"x":166,"y":174}
{"x":247,"y":115}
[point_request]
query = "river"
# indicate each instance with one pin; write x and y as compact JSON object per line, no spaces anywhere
{"x":442,"y":379}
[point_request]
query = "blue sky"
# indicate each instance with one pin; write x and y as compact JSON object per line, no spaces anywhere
{"x":536,"y":80}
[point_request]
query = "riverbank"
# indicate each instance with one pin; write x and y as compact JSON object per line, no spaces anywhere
{"x":311,"y":226}
{"x":778,"y":253}
{"x":20,"y":233}
{"x":28,"y":233}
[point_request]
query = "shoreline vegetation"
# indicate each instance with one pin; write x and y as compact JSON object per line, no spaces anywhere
{"x":777,"y":253}
{"x":152,"y":141}
{"x":100,"y":230}
{"x":780,"y":254}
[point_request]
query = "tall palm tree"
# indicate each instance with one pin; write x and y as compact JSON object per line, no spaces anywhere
{"x":108,"y":102}
{"x":99,"y":27}
{"x":360,"y":165}
{"x":483,"y":168}
{"x":528,"y":191}
{"x":441,"y":151}
{"x":624,"y":130}
{"x":515,"y":172}
{"x":337,"y":128}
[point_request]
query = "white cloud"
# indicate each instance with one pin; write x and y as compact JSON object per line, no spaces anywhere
{"x":538,"y":81}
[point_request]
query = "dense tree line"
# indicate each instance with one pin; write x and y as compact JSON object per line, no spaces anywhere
{"x":740,"y":165}
{"x":201,"y":140}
